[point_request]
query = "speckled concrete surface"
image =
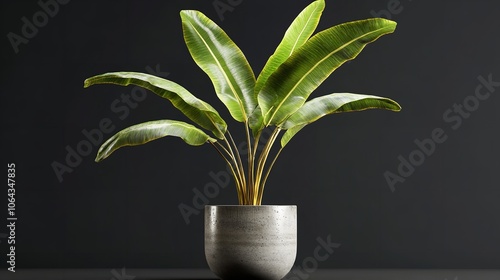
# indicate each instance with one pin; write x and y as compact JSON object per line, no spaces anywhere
{"x":251,"y":242}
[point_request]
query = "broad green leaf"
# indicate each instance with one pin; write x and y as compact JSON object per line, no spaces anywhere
{"x":331,"y":104}
{"x":287,"y":136}
{"x":145,"y":132}
{"x":220,"y":58}
{"x":296,"y":35}
{"x":195,"y":109}
{"x":289,"y":87}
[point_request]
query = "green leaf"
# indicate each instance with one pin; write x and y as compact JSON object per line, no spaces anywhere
{"x":195,"y":109}
{"x":220,"y":58}
{"x":145,"y":132}
{"x":290,"y":86}
{"x":331,"y":104}
{"x":256,"y":122}
{"x":296,"y":35}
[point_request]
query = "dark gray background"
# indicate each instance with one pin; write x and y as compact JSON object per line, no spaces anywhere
{"x":124,"y":211}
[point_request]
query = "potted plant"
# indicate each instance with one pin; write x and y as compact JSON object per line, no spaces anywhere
{"x":251,"y":240}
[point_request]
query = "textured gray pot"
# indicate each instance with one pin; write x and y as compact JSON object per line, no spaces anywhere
{"x":251,"y":242}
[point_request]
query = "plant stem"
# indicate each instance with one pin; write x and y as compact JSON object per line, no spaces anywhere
{"x":249,"y":157}
{"x":263,"y":157}
{"x":236,"y":175}
{"x":224,"y":149}
{"x":263,"y":184}
{"x":241,"y":170}
{"x":252,"y":161}
{"x":236,"y":178}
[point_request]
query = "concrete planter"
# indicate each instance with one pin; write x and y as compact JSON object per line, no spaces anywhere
{"x":251,"y":242}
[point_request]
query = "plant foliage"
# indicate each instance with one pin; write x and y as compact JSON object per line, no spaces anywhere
{"x":277,"y":99}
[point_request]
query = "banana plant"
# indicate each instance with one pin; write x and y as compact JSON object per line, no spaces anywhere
{"x":278,"y":99}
